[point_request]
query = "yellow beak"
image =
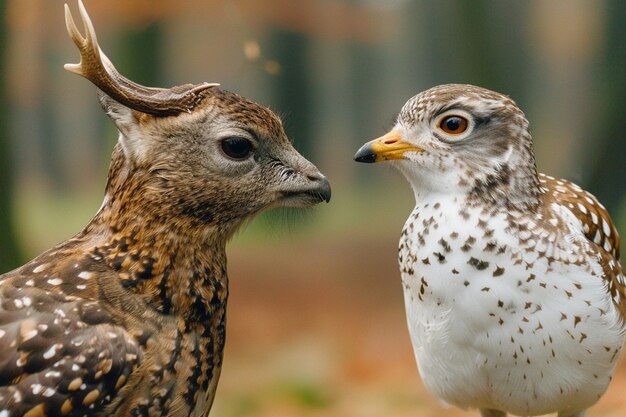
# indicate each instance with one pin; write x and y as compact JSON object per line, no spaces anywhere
{"x":390,"y":146}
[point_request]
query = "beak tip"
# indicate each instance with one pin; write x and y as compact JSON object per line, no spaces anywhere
{"x":368,"y":159}
{"x":365,"y":155}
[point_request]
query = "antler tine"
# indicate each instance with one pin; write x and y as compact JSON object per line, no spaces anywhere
{"x":97,"y":68}
{"x":72,"y":30}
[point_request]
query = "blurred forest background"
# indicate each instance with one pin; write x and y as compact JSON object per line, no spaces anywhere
{"x":316,"y":321}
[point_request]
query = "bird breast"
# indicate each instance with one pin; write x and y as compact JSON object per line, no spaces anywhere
{"x":493,"y":323}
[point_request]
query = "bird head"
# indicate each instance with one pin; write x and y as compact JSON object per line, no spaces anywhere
{"x":460,"y":139}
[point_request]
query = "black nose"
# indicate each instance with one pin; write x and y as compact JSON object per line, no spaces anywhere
{"x":323,"y":187}
{"x":365,"y":154}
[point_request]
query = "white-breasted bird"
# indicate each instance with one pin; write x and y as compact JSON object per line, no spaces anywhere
{"x":513,"y":288}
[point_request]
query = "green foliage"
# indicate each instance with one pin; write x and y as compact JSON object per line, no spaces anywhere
{"x":306,"y":395}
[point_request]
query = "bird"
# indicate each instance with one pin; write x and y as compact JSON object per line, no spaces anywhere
{"x":127,"y":318}
{"x":514,"y":294}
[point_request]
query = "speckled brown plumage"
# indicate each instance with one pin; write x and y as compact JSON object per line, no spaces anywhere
{"x":127,"y":318}
{"x":512,"y":283}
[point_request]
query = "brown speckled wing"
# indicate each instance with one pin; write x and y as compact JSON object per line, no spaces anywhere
{"x":60,"y":355}
{"x":597,"y":227}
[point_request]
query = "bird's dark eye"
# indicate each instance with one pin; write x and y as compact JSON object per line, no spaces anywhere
{"x":454,"y":125}
{"x":237,"y":147}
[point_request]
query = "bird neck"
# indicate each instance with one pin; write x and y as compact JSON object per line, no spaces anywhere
{"x":177,"y":264}
{"x":505,"y":187}
{"x":510,"y":181}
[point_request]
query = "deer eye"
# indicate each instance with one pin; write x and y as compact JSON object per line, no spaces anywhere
{"x":453,"y":124}
{"x":237,"y":147}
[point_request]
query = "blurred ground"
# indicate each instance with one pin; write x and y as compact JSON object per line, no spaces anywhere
{"x":317,"y":328}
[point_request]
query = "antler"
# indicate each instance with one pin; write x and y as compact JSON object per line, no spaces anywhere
{"x":97,"y":68}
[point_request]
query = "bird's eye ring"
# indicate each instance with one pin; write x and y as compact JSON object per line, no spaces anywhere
{"x":236,"y":147}
{"x":454,"y":124}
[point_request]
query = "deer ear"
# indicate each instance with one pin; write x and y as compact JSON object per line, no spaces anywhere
{"x":124,"y":118}
{"x":127,"y":122}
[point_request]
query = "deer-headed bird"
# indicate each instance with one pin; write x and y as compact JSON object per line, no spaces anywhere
{"x":127,"y":318}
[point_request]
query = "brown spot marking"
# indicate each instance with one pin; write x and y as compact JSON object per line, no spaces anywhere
{"x":37,"y":411}
{"x":478,"y":264}
{"x":490,"y":246}
{"x":468,"y":244}
{"x":499,"y":271}
{"x":66,"y":407}
{"x":75,"y":384}
{"x":423,"y":286}
{"x":576,"y":320}
{"x":91,"y":398}
{"x":454,"y":271}
{"x":466,"y":283}
{"x":445,"y":245}
{"x":426,"y":261}
{"x":440,"y":257}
